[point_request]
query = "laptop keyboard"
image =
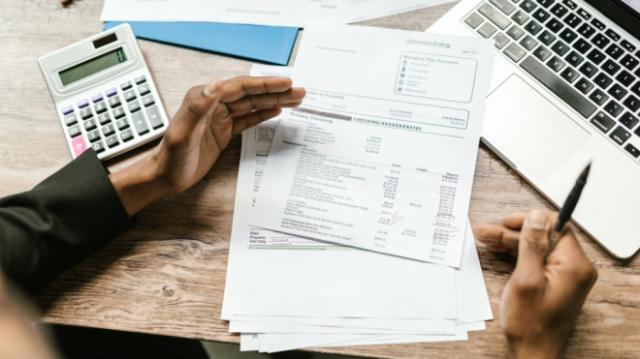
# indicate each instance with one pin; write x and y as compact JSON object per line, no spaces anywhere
{"x":589,"y":66}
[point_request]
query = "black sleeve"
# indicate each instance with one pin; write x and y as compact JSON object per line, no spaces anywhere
{"x":63,"y":219}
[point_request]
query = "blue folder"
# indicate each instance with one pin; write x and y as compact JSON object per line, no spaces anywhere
{"x":270,"y":44}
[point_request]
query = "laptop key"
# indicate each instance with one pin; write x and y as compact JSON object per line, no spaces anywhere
{"x":632,"y":150}
{"x":584,"y":86}
{"x":568,"y":35}
{"x":613,"y":35}
{"x":570,"y":74}
{"x":582,"y":46}
{"x":636,"y":88}
{"x":596,"y":56}
{"x":529,"y":43}
{"x":572,"y":20}
{"x":515,"y":32}
{"x":620,"y":135}
{"x":574,"y":59}
{"x":613,"y":108}
{"x":504,"y":5}
{"x":487,"y":30}
{"x":520,"y":17}
{"x":501,"y":40}
{"x":586,"y":30}
{"x":628,"y":46}
{"x":570,"y":4}
{"x":614,"y":51}
{"x":559,"y":10}
{"x":603,"y":122}
{"x":600,"y":40}
{"x":545,"y":3}
{"x":495,"y":16}
{"x":542,"y":53}
{"x":533,"y":27}
{"x":563,"y":90}
{"x":588,"y":70}
{"x":541,"y":15}
{"x":625,"y":78}
{"x":610,"y":67}
{"x":584,"y":14}
{"x":618,"y":92}
{"x":474,"y":20}
{"x":554,"y":25}
{"x":528,"y":6}
{"x":629,"y":120}
{"x":629,"y":62}
{"x":598,"y":97}
{"x":514,"y":52}
{"x":560,"y":48}
{"x":556,"y":64}
{"x":598,"y":24}
{"x":632,"y":103}
{"x":603,"y":81}
{"x":547,"y":37}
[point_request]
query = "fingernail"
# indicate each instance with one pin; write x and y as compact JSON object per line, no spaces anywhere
{"x":211,"y":88}
{"x":537,"y":220}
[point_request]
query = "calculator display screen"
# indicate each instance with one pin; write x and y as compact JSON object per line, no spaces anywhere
{"x":93,"y":66}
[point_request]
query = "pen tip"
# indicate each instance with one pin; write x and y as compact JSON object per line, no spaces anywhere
{"x":586,"y":171}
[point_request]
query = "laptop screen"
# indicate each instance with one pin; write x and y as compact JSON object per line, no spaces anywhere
{"x":626,"y":13}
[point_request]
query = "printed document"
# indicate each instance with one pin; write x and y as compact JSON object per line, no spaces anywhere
{"x":381,"y":154}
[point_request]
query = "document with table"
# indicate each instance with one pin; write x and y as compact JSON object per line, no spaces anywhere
{"x":379,"y":158}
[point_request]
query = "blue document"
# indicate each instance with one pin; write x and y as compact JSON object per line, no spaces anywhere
{"x":269,"y":44}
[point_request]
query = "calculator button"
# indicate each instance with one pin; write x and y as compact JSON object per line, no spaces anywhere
{"x":148,"y":100}
{"x":134,"y":106}
{"x":67,"y":110}
{"x":154,"y":117}
{"x":79,"y":145}
{"x":125,"y":86}
{"x":104,"y":118}
{"x":122,"y":124}
{"x":96,"y":98}
{"x":118,"y":112}
{"x":98,"y":146}
{"x":83,"y":103}
{"x":126,"y":135}
{"x":93,"y":136}
{"x":70,"y":119}
{"x":114,"y":101}
{"x":86,"y":113}
{"x":140,"y":80}
{"x":112,"y":141}
{"x":108,"y":130}
{"x":140,"y":123}
{"x":112,"y":92}
{"x":90,"y":124}
{"x":100,"y":107}
{"x":129,"y":95}
{"x":74,"y":131}
{"x":144,"y":89}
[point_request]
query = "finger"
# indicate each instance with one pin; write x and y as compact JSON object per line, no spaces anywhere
{"x":260,"y":102}
{"x":239,"y":87}
{"x":497,"y":236}
{"x":242,"y":123}
{"x":199,"y":100}
{"x":532,"y":250}
{"x":514,"y":220}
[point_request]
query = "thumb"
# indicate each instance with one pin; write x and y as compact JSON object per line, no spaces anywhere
{"x":199,"y":100}
{"x":532,"y":249}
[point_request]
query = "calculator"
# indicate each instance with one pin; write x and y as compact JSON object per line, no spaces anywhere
{"x":104,"y":94}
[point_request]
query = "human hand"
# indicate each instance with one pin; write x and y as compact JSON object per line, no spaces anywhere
{"x":543,"y":298}
{"x":203,"y":127}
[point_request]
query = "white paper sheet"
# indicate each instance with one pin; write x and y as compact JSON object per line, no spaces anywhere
{"x":296,"y":13}
{"x":356,"y":164}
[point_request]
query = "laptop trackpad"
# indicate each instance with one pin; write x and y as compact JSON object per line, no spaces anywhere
{"x":530,"y":131}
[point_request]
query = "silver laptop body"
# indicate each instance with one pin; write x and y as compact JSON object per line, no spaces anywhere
{"x":565,"y":91}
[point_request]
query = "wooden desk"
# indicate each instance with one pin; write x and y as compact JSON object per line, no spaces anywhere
{"x":148,"y":281}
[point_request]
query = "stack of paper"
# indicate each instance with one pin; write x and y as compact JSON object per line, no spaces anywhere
{"x":350,"y":217}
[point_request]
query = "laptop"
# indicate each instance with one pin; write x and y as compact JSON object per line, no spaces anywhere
{"x":566,"y":91}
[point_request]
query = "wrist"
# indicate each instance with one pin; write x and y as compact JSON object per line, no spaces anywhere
{"x":140,"y":185}
{"x":539,"y":349}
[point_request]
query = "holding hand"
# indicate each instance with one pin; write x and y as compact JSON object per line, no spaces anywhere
{"x":543,"y":298}
{"x":206,"y":122}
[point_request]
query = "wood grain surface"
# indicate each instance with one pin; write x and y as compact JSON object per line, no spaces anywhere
{"x":167,"y":275}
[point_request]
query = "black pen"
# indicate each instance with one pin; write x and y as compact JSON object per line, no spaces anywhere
{"x":569,"y":205}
